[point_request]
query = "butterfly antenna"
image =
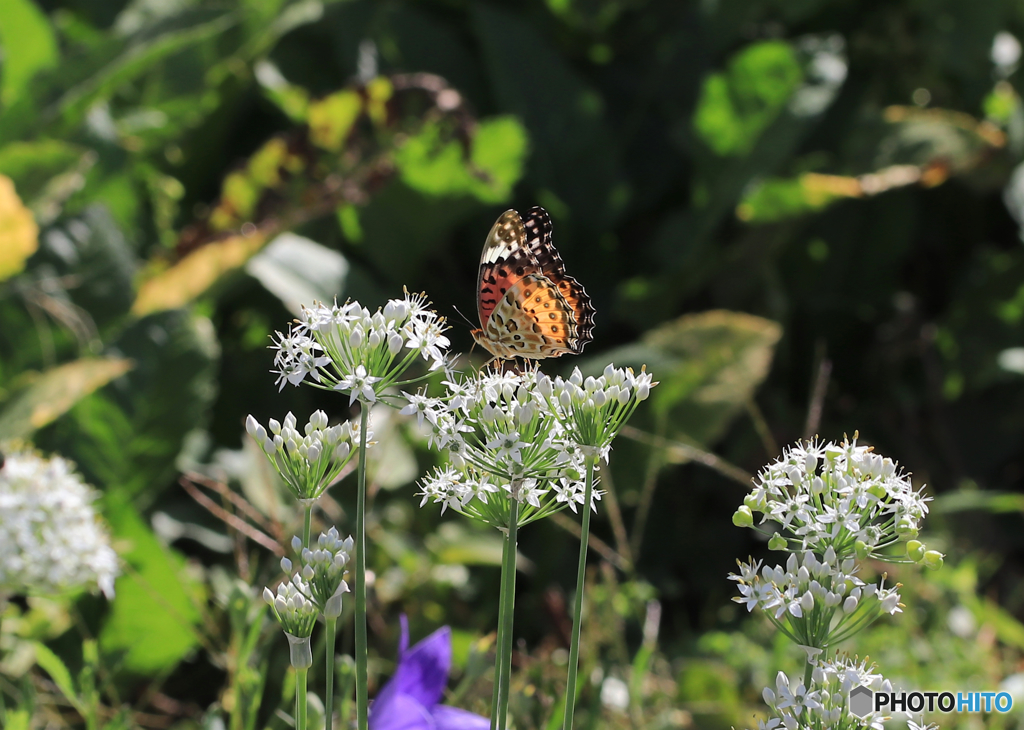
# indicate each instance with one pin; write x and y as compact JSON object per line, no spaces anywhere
{"x":468,"y":321}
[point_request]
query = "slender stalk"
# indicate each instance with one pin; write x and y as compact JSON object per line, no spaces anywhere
{"x":499,"y":640}
{"x":508,"y":598}
{"x":300,"y":699}
{"x":360,"y":617}
{"x":574,"y":647}
{"x":306,"y":523}
{"x":331,"y":633}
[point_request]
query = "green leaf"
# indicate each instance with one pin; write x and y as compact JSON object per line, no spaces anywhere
{"x":500,"y":146}
{"x":31,"y":165}
{"x":436,"y":166}
{"x":17,"y":719}
{"x":708,"y":366}
{"x":28,"y":44}
{"x":128,"y":437}
{"x":58,"y":671}
{"x":134,"y":62}
{"x":574,"y":152}
{"x":55,"y":392}
{"x":776,"y":199}
{"x":92,"y":252}
{"x":737,"y":105}
{"x":151,"y":625}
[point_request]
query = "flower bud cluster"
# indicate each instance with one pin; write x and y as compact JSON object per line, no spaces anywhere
{"x":51,"y":539}
{"x":814,"y":602}
{"x":292,"y":607}
{"x":504,"y":440}
{"x":308,"y":461}
{"x":323,"y":570}
{"x":839,"y":495}
{"x":349,"y":349}
{"x":825,"y":703}
{"x":594,"y":410}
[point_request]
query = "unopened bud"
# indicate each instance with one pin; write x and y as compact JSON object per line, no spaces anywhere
{"x":743,"y":517}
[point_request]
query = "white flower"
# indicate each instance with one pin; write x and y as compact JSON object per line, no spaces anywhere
{"x":422,"y":407}
{"x":359,"y":384}
{"x":51,"y":539}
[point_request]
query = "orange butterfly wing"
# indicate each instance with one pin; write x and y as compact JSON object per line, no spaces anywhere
{"x":528,"y":306}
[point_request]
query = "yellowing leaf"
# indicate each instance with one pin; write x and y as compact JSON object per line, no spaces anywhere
{"x":19,"y":234}
{"x":193,"y":275}
{"x":54,"y":392}
{"x":331,"y":119}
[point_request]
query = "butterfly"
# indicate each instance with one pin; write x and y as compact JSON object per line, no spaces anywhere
{"x":528,"y":306}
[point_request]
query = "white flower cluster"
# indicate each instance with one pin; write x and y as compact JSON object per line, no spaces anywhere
{"x":594,"y":410}
{"x":309,"y":461}
{"x":347,"y":348}
{"x":292,"y":608}
{"x":826,"y":702}
{"x":814,"y":602}
{"x":323,"y":570}
{"x":504,"y":440}
{"x":843,"y":496}
{"x":51,"y":539}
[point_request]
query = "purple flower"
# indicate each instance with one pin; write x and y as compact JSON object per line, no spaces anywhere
{"x":409,"y":701}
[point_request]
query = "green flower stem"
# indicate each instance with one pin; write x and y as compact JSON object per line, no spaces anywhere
{"x":508,"y":590}
{"x":360,"y":617}
{"x":306,"y":524}
{"x":330,"y":637}
{"x":300,"y":698}
{"x":574,"y":647}
{"x":498,"y":642}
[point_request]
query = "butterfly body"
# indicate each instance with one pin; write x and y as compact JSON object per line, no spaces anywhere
{"x":528,"y":306}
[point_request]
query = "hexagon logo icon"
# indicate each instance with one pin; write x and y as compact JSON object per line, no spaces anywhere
{"x":861,"y":701}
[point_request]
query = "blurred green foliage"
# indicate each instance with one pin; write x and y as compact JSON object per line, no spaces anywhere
{"x":803,"y":216}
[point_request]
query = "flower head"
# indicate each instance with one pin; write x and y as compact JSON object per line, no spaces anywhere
{"x":323,"y":570}
{"x":594,"y":410}
{"x":410,"y":699}
{"x":825,"y":703}
{"x":839,"y":495}
{"x":51,"y":539}
{"x":292,"y":608}
{"x":347,"y":348}
{"x":504,"y":441}
{"x":309,"y":461}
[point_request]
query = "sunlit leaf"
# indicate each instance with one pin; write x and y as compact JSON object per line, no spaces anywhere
{"x":151,"y":625}
{"x":28,"y":44}
{"x":18,"y":231}
{"x":435,"y":166}
{"x":56,"y":391}
{"x":331,"y":118}
{"x":736,"y":105}
{"x":196,"y":273}
{"x":777,"y":199}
